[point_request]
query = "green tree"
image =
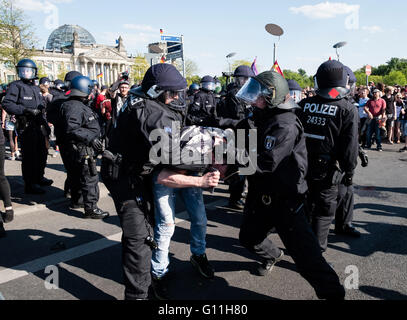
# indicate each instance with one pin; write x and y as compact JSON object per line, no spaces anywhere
{"x":17,"y":39}
{"x":237,"y":63}
{"x":140,"y":67}
{"x":395,"y":77}
{"x":302,"y":78}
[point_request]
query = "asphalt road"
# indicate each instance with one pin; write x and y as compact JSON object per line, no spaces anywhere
{"x":86,"y":254}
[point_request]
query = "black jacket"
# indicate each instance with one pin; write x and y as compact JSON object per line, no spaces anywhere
{"x":131,"y":137}
{"x":281,"y":154}
{"x":21,"y":95}
{"x":78,"y":122}
{"x":231,"y":107}
{"x":331,"y":127}
{"x":203,"y":107}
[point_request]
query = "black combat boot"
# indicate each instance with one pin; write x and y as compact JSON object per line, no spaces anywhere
{"x":96,"y":213}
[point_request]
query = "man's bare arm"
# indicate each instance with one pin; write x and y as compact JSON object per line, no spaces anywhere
{"x":173,"y":179}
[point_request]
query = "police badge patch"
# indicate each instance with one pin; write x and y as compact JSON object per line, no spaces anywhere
{"x":270,"y":142}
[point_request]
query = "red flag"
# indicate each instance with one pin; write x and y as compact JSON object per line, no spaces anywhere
{"x":277,"y":69}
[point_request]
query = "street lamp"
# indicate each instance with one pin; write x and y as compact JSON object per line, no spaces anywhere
{"x":230,"y":55}
{"x":339,"y":45}
{"x":277,"y":31}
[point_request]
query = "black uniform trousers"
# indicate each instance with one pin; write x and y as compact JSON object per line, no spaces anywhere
{"x":136,"y":253}
{"x":322,"y":197}
{"x":81,"y":180}
{"x":288,"y":217}
{"x":63,"y":150}
{"x":344,"y":210}
{"x":236,"y":189}
{"x":34,"y":154}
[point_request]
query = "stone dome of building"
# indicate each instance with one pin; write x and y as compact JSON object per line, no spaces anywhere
{"x":63,"y":37}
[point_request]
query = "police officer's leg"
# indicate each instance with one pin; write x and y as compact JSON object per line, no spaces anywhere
{"x":325,"y":199}
{"x":74,"y":171}
{"x":41,"y":156}
{"x":65,"y":160}
{"x":254,"y":230}
{"x":89,"y":187}
{"x":236,"y":190}
{"x":303,"y":246}
{"x":28,"y":146}
{"x":341,"y":213}
{"x":136,"y":253}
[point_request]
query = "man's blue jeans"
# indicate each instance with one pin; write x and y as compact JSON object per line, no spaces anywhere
{"x":373,"y":127}
{"x":164,"y":202}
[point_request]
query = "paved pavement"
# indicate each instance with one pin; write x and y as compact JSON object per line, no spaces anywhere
{"x":86,"y":253}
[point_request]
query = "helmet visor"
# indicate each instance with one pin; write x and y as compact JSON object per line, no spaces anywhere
{"x":240,"y":81}
{"x":178,"y":98}
{"x":26,"y":73}
{"x":296,"y":95}
{"x":209,"y":86}
{"x":252,"y":90}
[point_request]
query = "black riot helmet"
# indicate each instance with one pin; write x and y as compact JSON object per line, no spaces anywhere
{"x":194,"y":87}
{"x":332,"y":80}
{"x":69,"y":77}
{"x":295,"y":90}
{"x":163,"y":81}
{"x":81,"y":87}
{"x":27,"y":69}
{"x":352,"y":81}
{"x":208,"y":83}
{"x":242,"y":74}
{"x":59,"y":84}
{"x":95,"y":83}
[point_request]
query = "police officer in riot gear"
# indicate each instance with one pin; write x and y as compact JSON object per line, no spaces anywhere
{"x":54,"y":117}
{"x":295,"y":90}
{"x":192,"y":91}
{"x":57,"y":90}
{"x":126,"y":170}
{"x":23,"y":99}
{"x":204,"y":104}
{"x":233,"y":108}
{"x":331,"y":126}
{"x":81,"y":141}
{"x":344,"y":210}
{"x":277,"y":189}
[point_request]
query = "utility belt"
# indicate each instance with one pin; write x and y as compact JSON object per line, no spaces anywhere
{"x":24,"y":123}
{"x":110,"y":165}
{"x":295,"y":203}
{"x":323,"y":169}
{"x":85,"y":155}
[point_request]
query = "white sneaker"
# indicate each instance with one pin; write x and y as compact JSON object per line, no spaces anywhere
{"x":12,"y":158}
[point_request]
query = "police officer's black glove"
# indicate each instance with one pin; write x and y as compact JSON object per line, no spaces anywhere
{"x":97,"y":145}
{"x":31,"y":112}
{"x":347,"y":180}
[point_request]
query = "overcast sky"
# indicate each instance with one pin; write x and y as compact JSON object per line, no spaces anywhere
{"x":374,"y":30}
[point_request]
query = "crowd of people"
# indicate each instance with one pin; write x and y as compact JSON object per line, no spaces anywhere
{"x":302,"y":179}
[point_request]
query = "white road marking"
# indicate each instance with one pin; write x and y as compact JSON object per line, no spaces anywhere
{"x":36,"y":265}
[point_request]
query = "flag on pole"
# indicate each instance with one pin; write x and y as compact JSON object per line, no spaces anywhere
{"x":253,"y":67}
{"x":277,"y":69}
{"x":161,"y":31}
{"x":100,"y":75}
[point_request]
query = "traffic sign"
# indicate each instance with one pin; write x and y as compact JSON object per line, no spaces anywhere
{"x":171,"y":38}
{"x":368,"y":70}
{"x":173,"y":55}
